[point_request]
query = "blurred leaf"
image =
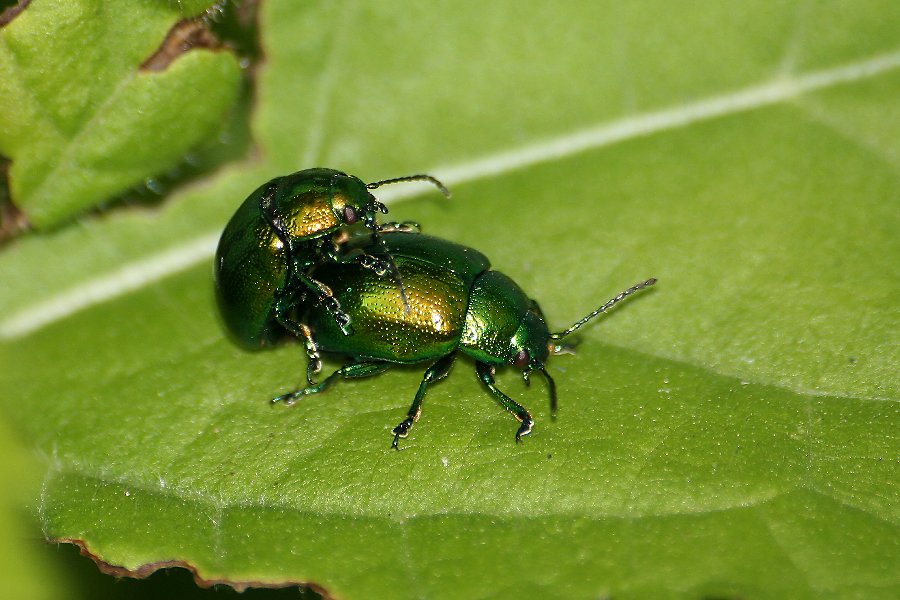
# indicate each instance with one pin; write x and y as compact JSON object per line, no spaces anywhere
{"x":731,"y":433}
{"x":27,"y":572}
{"x":83,"y":122}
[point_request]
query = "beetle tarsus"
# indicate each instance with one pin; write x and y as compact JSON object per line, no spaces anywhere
{"x":342,"y":319}
{"x":313,"y":359}
{"x":313,"y":367}
{"x":285,"y":399}
{"x":401,"y":431}
{"x":378,"y":266}
{"x":404,"y":227}
{"x":485,"y":373}
{"x":524,"y":429}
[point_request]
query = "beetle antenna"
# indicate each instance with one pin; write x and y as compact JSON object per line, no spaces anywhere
{"x":395,"y":272}
{"x":604,"y":308}
{"x":392,"y":266}
{"x":379,"y":206}
{"x":417,"y":177}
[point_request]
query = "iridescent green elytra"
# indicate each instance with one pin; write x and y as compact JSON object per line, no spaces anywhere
{"x":455,"y":302}
{"x":279,"y":232}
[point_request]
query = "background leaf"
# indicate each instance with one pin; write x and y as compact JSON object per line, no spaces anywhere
{"x":731,"y":433}
{"x":83,"y":119}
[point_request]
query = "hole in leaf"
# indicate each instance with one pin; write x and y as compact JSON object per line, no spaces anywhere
{"x":12,"y":220}
{"x":184,"y":36}
{"x":234,"y":26}
{"x":10,"y":9}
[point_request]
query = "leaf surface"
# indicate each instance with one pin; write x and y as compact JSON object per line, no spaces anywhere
{"x":730,"y":433}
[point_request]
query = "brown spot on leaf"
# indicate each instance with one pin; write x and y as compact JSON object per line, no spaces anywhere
{"x":184,"y":35}
{"x":12,"y":220}
{"x":148,"y":569}
{"x":12,"y":12}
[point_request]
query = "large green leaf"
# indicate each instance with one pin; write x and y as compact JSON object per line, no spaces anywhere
{"x":730,"y":433}
{"x":84,"y":118}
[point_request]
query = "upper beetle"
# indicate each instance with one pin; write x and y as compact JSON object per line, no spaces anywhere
{"x":277,"y":235}
{"x":457,"y":304}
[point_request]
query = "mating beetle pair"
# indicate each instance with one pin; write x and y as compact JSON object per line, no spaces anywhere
{"x":389,"y":297}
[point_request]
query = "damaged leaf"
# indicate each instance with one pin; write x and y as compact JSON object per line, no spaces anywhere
{"x":82,"y":121}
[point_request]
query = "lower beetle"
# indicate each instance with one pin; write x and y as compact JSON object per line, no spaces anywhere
{"x":457,"y":304}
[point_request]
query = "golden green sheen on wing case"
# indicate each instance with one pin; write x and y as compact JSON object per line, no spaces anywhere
{"x":383,"y":328}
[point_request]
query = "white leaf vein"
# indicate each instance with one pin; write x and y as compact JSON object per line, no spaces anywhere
{"x":140,"y":273}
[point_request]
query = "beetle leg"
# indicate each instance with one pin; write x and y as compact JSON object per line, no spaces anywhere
{"x":302,"y":331}
{"x":334,"y":308}
{"x":435,"y":372}
{"x":367,"y":261}
{"x":380,"y":267}
{"x":314,"y":360}
{"x":352,"y":370}
{"x":486,"y":375}
{"x":325,"y":297}
{"x":551,"y":386}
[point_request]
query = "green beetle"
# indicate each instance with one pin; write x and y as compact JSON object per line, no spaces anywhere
{"x":281,"y":230}
{"x":457,"y":304}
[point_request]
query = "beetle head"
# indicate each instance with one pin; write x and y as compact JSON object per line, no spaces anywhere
{"x":530,"y":348}
{"x":312,"y":203}
{"x":316,"y":202}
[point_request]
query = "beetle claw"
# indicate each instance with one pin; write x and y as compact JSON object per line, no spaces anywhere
{"x":524,"y":429}
{"x":343,"y":321}
{"x":401,"y":431}
{"x":286,"y":399}
{"x":313,"y":367}
{"x":378,"y":266}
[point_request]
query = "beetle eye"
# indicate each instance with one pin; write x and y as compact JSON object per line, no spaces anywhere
{"x":522,"y":359}
{"x":350,"y":215}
